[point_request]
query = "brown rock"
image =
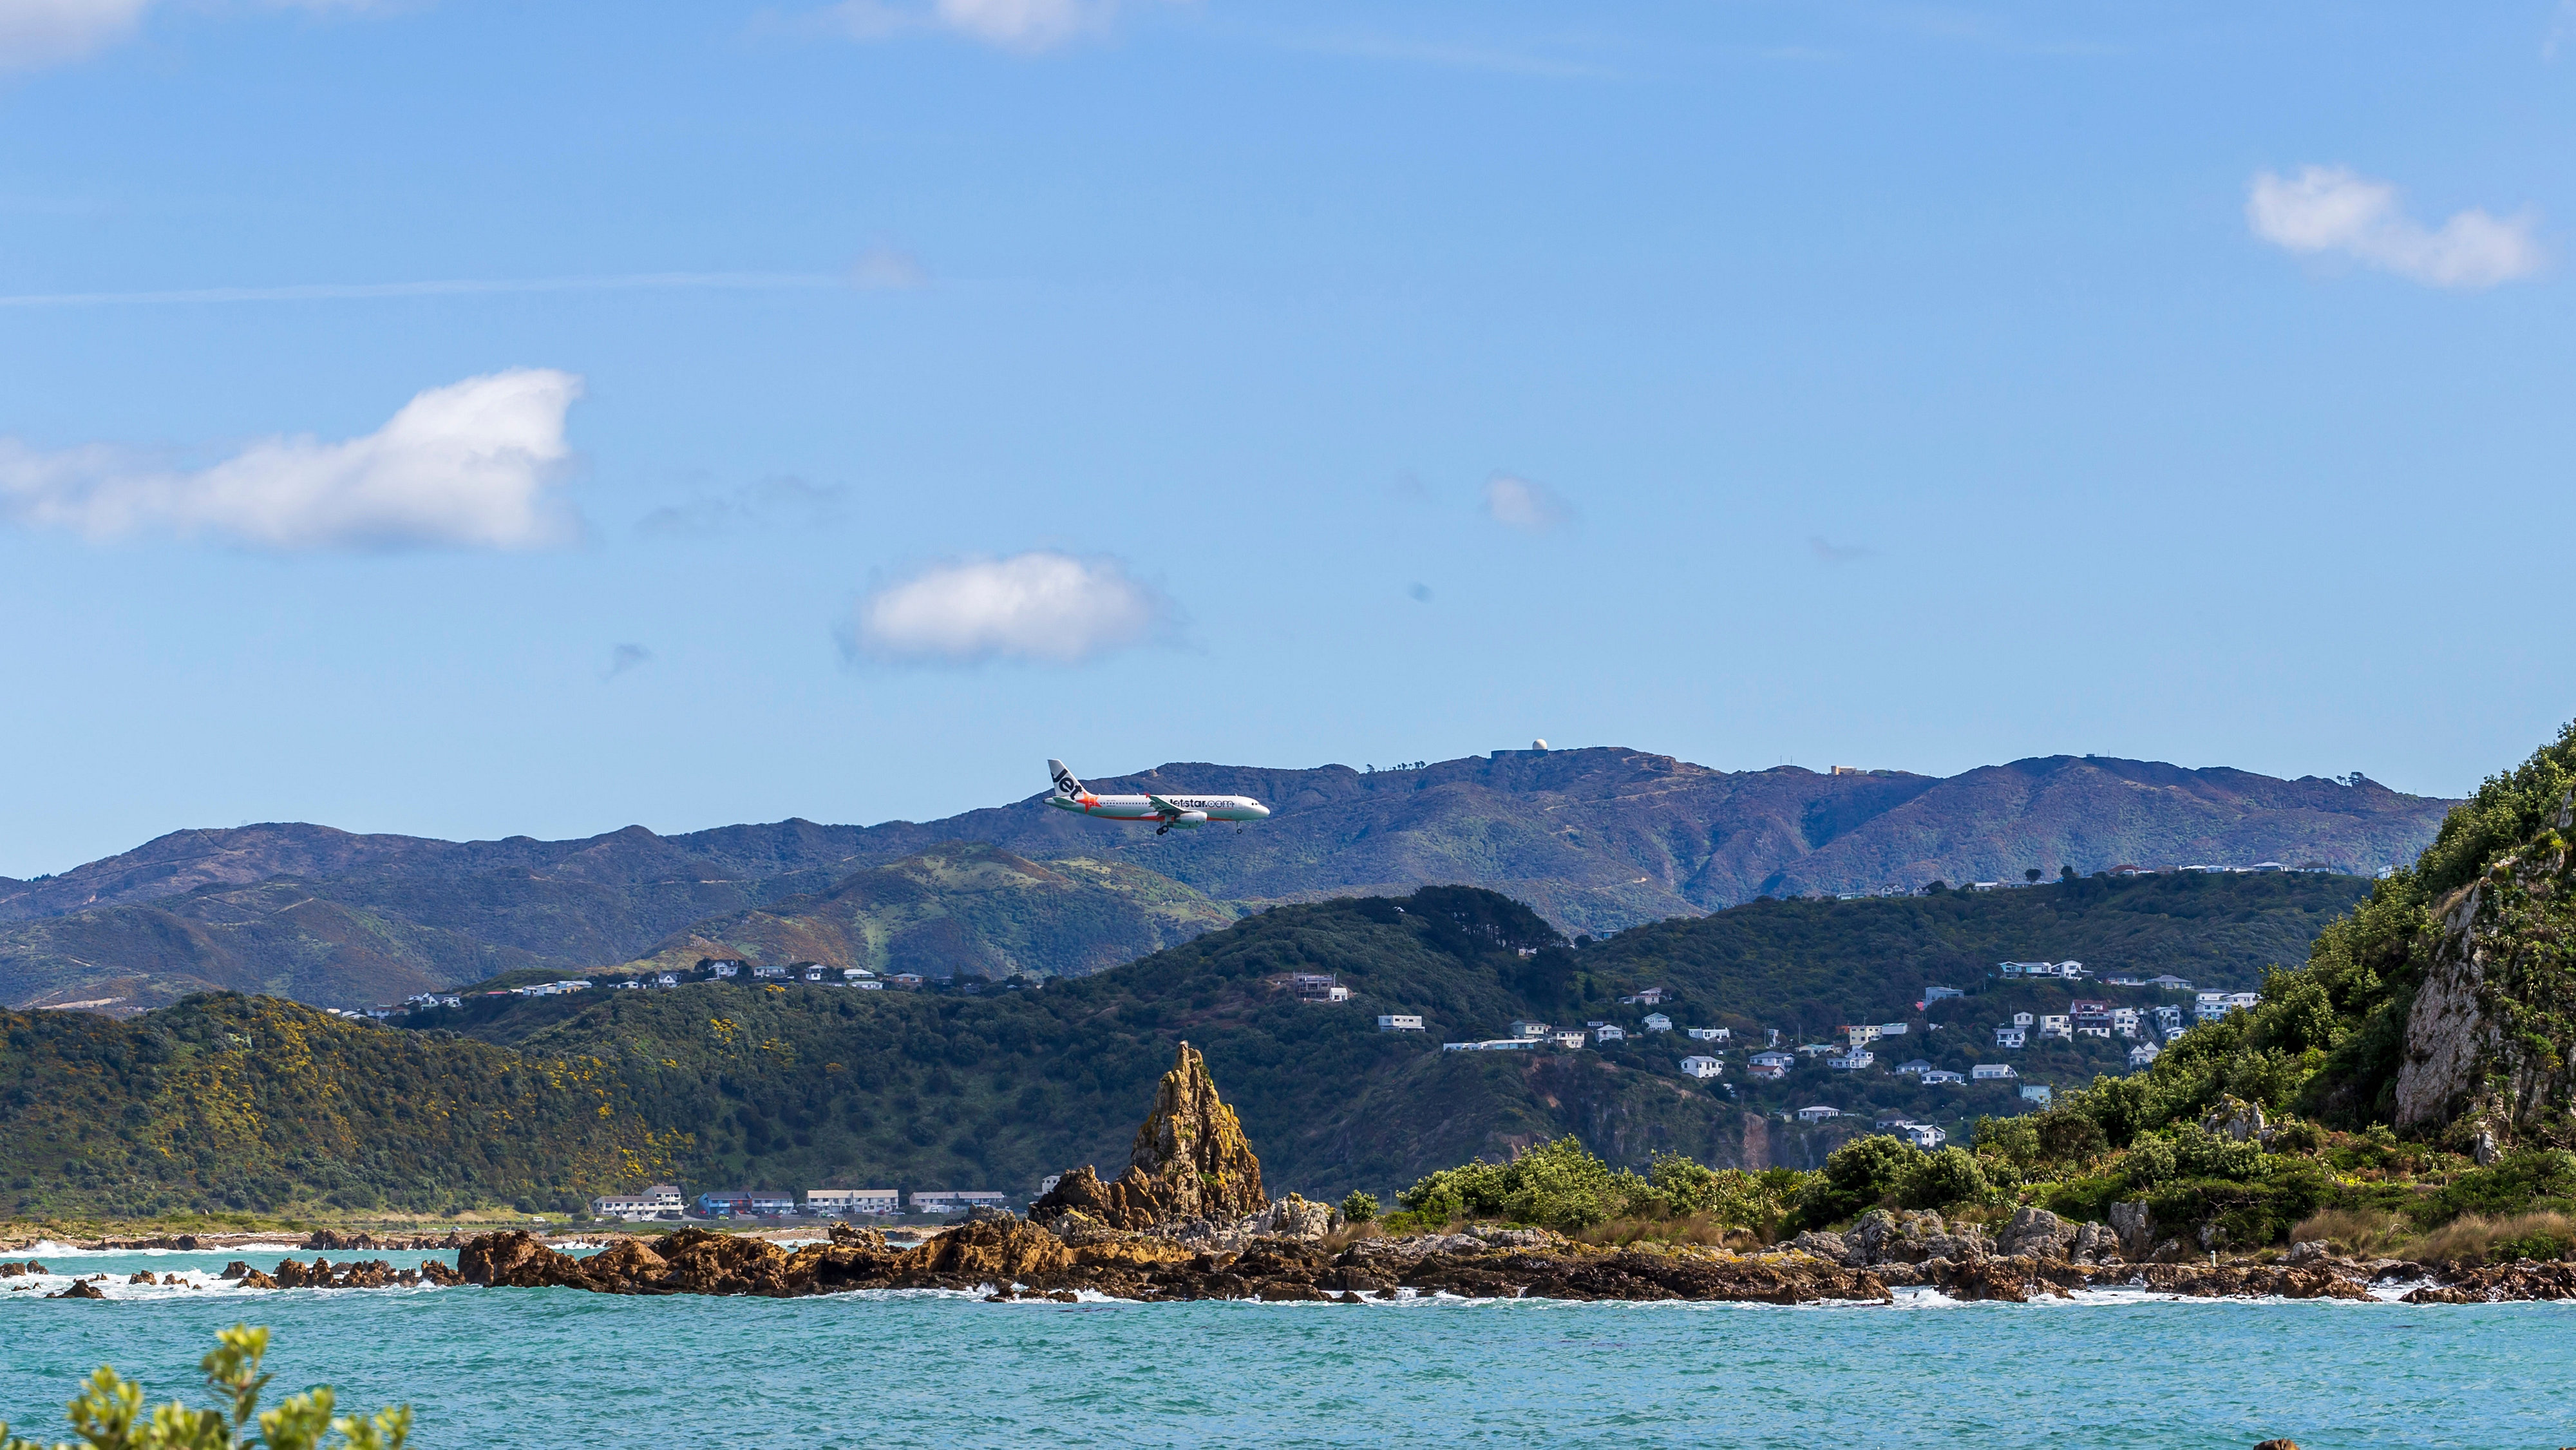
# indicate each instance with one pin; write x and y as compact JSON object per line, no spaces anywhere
{"x":511,"y":1260}
{"x":853,"y":1237}
{"x":143,"y":1276}
{"x":2278,"y":1445}
{"x":989,"y":1249}
{"x":83,"y":1289}
{"x":1190,"y":1161}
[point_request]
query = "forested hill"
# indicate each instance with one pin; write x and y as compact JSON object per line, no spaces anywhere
{"x":805,"y":1085}
{"x":1596,"y":840}
{"x":1811,"y":964}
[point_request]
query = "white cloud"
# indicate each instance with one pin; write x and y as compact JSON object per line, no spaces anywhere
{"x":468,"y":465}
{"x":1027,"y":26}
{"x":1525,"y":505}
{"x":888,"y":269}
{"x":47,"y":32}
{"x":44,"y":32}
{"x":2331,"y":209}
{"x":1042,"y":606}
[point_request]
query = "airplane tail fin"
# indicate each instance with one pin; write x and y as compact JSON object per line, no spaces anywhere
{"x":1065,"y":784}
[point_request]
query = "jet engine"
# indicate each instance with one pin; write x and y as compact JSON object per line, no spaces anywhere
{"x":1186,"y":820}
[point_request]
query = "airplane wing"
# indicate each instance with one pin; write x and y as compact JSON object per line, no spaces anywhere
{"x":1166,"y":807}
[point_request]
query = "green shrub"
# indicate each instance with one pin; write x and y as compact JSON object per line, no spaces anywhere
{"x":108,"y":1412}
{"x":1858,"y":1175}
{"x":1359,"y":1207}
{"x":1944,"y":1179}
{"x":2525,"y":1182}
{"x":1558,"y":1184}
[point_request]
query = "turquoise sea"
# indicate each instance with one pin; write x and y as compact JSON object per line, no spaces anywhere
{"x":560,"y":1368}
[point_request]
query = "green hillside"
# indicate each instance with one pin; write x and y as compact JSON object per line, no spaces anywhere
{"x":962,"y":910}
{"x":801,"y":1085}
{"x":251,"y":1103}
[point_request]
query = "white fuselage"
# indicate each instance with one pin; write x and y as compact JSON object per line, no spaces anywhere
{"x":1144,"y":808}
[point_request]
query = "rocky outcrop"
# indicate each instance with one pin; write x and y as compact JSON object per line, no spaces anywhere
{"x":14,"y":1271}
{"x":2036,"y":1233}
{"x":2480,"y":1036}
{"x":2135,"y":1228}
{"x":80,"y":1289}
{"x":1880,"y":1238}
{"x":1190,"y":1163}
{"x":2523,"y":1279}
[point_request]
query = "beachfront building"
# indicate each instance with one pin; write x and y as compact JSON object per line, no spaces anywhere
{"x":1399,"y":1022}
{"x":724,"y":1203}
{"x":954,"y":1200}
{"x":842,"y":1201}
{"x":1702,"y":1067}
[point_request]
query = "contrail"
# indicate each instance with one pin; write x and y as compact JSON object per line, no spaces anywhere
{"x":460,"y":287}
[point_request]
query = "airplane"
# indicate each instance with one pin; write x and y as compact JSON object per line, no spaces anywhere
{"x":1184,"y":811}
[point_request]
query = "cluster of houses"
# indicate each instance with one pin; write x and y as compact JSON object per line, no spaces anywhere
{"x":665,"y":1201}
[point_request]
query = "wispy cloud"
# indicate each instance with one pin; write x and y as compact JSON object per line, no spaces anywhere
{"x":1522,"y":504}
{"x":1040,"y":606}
{"x":625,"y":657}
{"x":2332,"y":209}
{"x":1025,"y":26}
{"x":784,"y":502}
{"x":36,"y":33}
{"x":2562,"y":27}
{"x":886,"y":269}
{"x":468,"y":465}
{"x":453,"y":287}
{"x":1828,"y":552}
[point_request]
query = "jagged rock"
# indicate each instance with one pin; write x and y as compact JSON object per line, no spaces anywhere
{"x":234,"y":1270}
{"x":2484,"y":1150}
{"x":851,"y":1236}
{"x":2136,"y":1229}
{"x":254,"y":1279}
{"x":2237,"y":1119}
{"x":80,"y":1289}
{"x":2278,"y":1445}
{"x":1190,"y":1162}
{"x":512,"y":1260}
{"x":2012,"y":1279}
{"x":1002,"y":1251}
{"x":2095,"y":1243}
{"x":1293,"y":1217}
{"x":1914,"y":1237}
{"x":14,"y":1271}
{"x":1517,"y":1238}
{"x":2305,"y":1251}
{"x":986,"y":1213}
{"x":2036,"y":1233}
{"x":2496,"y":948}
{"x":143,"y":1276}
{"x":1833,"y":1248}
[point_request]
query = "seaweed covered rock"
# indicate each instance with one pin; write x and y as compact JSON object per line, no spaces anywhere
{"x":1190,"y":1162}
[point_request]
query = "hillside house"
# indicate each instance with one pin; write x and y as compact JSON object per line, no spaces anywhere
{"x":2144,"y":1054}
{"x":1607,"y":1033}
{"x":2068,"y":970}
{"x":2167,"y":982}
{"x":1570,"y":1037}
{"x":1939,"y":994}
{"x":1891,"y":1029}
{"x":1705,"y":1034}
{"x":1501,"y":1044}
{"x":2167,"y":1019}
{"x":813,"y":971}
{"x":2089,"y":1010}
{"x":1702,"y":1067}
{"x":1913,"y":1067}
{"x":2102,"y":1032}
{"x":2014,"y":1038}
{"x":1399,"y":1022}
{"x":2036,"y":1092}
{"x":721,"y":966}
{"x":1771,"y":1064}
{"x":2124,"y":1021}
{"x":1818,"y":1114}
{"x":769,"y":971}
{"x":1992,"y":1072}
{"x":2056,"y":1024}
{"x":1658,"y":1022}
{"x":2023,"y":1019}
{"x":1859,"y":1036}
{"x":1922,"y":1135}
{"x":1851,"y":1059}
{"x":908,"y":980}
{"x":1816,"y":1049}
{"x":666,"y":979}
{"x":1651,"y":997}
{"x":1318,"y":987}
{"x":1941,"y":1076}
{"x":1529,"y":1029}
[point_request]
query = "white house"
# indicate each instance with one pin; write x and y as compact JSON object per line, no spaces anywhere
{"x":1607,"y":1033}
{"x":666,"y":979}
{"x":813,"y":971}
{"x":1570,"y":1037}
{"x":1941,"y":1075}
{"x":2023,"y":1019}
{"x":1529,"y":1029}
{"x":728,"y":967}
{"x":1706,"y":1034}
{"x":1399,"y":1022}
{"x":954,"y":1200}
{"x":2037,"y":1092}
{"x":2168,"y":1019}
{"x":1852,"y":1060}
{"x":2144,"y":1054}
{"x":659,"y":1199}
{"x":1992,"y":1072}
{"x":768,"y":970}
{"x":853,"y":1200}
{"x":1891,"y":1029}
{"x":1817,"y":1049}
{"x":1862,"y":1035}
{"x":1913,"y":1068}
{"x":2124,"y":1021}
{"x":2102,"y":1032}
{"x":1702,"y":1066}
{"x":1772,"y":1064}
{"x":1818,"y":1113}
{"x":1922,"y":1135}
{"x":1658,"y":1022}
{"x":1651,"y":997}
{"x":855,"y":974}
{"x":2056,"y":1024}
{"x":2011,"y":1036}
{"x":767,"y":1200}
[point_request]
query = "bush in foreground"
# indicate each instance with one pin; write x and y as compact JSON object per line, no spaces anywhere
{"x":108,"y":1413}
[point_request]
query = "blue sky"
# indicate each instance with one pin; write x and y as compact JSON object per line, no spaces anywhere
{"x":833,"y":411}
